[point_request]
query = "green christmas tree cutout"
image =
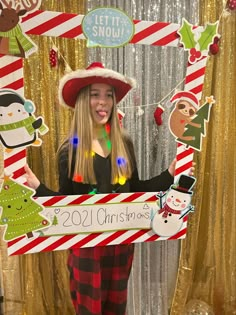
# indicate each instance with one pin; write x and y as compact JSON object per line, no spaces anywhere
{"x":197,"y":41}
{"x":198,"y":131}
{"x":55,"y":220}
{"x":18,"y":211}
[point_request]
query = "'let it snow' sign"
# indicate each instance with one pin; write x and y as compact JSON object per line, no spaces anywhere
{"x":107,"y":27}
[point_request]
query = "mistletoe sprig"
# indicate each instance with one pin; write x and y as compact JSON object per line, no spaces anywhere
{"x":197,"y":40}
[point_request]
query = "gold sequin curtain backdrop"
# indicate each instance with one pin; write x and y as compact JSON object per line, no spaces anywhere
{"x":38,"y":283}
{"x":207,"y":268}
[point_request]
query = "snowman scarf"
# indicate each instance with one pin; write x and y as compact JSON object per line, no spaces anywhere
{"x":166,"y":210}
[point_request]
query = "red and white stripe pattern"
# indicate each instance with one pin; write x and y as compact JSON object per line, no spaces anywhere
{"x":68,"y":25}
{"x":193,"y":83}
{"x":58,"y":201}
{"x":11,"y":73}
{"x":155,"y":33}
{"x":195,"y":77}
{"x":24,"y":245}
{"x":57,"y":24}
{"x":11,"y":77}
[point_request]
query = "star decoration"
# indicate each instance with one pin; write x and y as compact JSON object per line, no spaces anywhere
{"x":210,"y":100}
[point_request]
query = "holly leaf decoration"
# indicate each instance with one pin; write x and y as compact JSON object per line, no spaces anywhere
{"x":186,"y":35}
{"x":208,"y":35}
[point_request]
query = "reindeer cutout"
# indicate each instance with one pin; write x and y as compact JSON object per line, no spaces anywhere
{"x":12,"y":39}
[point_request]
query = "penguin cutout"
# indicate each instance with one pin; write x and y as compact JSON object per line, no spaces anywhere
{"x":174,"y":205}
{"x":18,"y":125}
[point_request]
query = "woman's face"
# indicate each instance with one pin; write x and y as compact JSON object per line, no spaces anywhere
{"x":101,"y":103}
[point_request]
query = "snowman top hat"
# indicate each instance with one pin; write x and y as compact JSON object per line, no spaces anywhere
{"x":185,"y":184}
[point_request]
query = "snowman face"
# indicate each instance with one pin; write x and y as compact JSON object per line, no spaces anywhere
{"x":12,"y":113}
{"x":177,"y":200}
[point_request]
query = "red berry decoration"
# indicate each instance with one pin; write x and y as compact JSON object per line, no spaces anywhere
{"x":214,"y":48}
{"x":53,"y":57}
{"x":195,"y":55}
{"x":231,"y":4}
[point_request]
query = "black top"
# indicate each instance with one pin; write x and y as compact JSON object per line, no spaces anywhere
{"x":102,"y":168}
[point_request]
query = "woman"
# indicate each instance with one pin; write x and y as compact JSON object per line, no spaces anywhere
{"x":98,"y":157}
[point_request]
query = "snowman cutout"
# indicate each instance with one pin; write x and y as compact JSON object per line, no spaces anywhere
{"x":168,"y":220}
{"x":18,"y":126}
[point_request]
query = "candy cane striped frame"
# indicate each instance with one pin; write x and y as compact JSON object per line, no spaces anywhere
{"x":58,"y":24}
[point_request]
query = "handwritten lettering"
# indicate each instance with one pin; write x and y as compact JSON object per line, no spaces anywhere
{"x":94,"y":218}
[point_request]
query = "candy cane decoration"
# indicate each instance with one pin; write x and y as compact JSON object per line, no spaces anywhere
{"x":68,"y":25}
{"x":193,"y":83}
{"x":11,"y":76}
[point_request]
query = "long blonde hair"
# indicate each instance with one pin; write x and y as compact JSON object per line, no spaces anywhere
{"x":81,"y":155}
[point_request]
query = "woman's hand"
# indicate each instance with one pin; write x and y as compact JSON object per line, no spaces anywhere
{"x":31,"y":179}
{"x":172,"y":166}
{"x":192,"y":169}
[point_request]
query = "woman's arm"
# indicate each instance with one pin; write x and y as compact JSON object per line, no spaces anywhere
{"x":161,"y":182}
{"x":158,"y":183}
{"x":65,"y":183}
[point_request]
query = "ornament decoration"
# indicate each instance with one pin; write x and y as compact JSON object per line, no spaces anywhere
{"x":140,"y":111}
{"x":214,"y":48}
{"x":197,"y":41}
{"x":121,"y":115}
{"x":198,"y":307}
{"x":231,"y":4}
{"x":157,"y":115}
{"x":53,"y":56}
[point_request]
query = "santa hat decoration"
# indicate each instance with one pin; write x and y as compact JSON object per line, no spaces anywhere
{"x":185,"y":96}
{"x":157,"y":115}
{"x":71,"y":84}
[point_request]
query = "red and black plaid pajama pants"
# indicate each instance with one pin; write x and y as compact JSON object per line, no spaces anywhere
{"x":99,"y":278}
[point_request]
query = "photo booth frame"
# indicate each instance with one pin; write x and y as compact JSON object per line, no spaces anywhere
{"x":66,"y":25}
